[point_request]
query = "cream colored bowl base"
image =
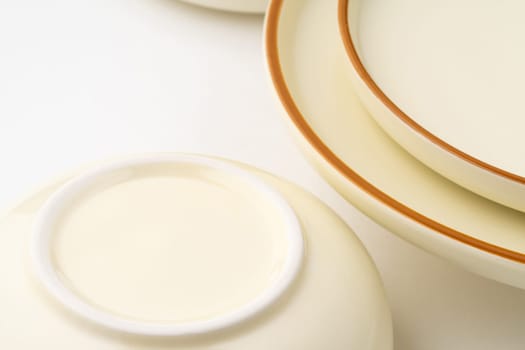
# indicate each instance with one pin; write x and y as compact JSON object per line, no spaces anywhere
{"x":312,"y":77}
{"x":137,"y":245}
{"x":337,"y":301}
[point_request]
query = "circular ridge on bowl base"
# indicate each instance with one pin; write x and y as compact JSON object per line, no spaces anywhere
{"x":167,"y":245}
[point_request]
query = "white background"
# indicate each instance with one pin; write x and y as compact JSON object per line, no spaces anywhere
{"x":90,"y":79}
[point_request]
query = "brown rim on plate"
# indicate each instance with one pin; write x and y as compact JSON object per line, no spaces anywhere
{"x":359,"y":67}
{"x":279,"y":83}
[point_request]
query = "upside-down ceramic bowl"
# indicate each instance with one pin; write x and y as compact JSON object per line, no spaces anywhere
{"x":184,"y":252}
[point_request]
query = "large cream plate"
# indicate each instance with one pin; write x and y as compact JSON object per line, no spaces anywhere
{"x":312,"y":79}
{"x":444,"y":79}
{"x":336,"y":302}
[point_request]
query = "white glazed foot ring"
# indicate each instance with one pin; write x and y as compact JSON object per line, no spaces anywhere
{"x":49,"y":277}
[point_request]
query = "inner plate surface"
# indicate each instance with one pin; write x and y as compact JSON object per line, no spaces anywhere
{"x":454,"y":67}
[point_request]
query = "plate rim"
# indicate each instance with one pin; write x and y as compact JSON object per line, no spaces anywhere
{"x":364,"y":75}
{"x":271,"y":33}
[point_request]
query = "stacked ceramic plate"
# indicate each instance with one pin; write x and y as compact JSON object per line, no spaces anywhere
{"x":414,"y":117}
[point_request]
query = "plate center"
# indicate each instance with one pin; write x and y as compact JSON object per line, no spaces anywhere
{"x":455,"y":67}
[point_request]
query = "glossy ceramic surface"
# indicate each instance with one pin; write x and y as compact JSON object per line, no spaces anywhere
{"x":312,"y":78}
{"x":247,"y":6}
{"x":336,"y":301}
{"x":445,"y":85}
